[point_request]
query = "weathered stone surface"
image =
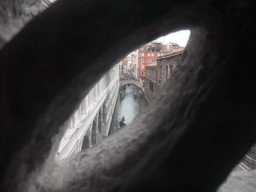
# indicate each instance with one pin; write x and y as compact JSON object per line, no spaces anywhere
{"x":240,"y":181}
{"x":189,"y":139}
{"x":14,"y":14}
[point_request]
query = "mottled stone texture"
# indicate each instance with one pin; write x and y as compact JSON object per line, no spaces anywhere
{"x":244,"y":181}
{"x":189,"y":139}
{"x":14,"y":14}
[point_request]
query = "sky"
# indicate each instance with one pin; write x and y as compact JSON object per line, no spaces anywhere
{"x":180,"y":37}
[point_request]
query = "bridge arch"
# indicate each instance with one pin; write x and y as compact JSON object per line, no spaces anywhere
{"x":86,"y":142}
{"x":131,"y":81}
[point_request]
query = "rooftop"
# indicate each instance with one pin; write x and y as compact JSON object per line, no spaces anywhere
{"x":178,"y":52}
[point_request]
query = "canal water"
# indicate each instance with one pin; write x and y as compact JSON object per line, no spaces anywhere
{"x":129,"y":107}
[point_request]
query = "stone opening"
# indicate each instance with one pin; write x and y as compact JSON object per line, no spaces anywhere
{"x":188,"y":140}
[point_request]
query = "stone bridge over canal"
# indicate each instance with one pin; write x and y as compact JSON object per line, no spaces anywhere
{"x":131,"y":81}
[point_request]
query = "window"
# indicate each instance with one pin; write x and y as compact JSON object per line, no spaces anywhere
{"x":148,"y":60}
{"x":142,"y":60}
{"x":152,"y":60}
{"x":161,"y":72}
{"x":142,"y":73}
{"x":142,"y":54}
{"x":148,"y":54}
{"x":162,"y":54}
{"x":142,"y":66}
{"x":152,"y":54}
{"x":166,"y":72}
{"x":158,"y":54}
{"x":151,"y":86}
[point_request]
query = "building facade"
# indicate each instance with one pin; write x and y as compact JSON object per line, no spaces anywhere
{"x":166,"y":66}
{"x":134,"y":66}
{"x":90,"y":123}
{"x":148,"y":54}
{"x":157,"y":75}
{"x":150,"y":88}
{"x":125,"y":65}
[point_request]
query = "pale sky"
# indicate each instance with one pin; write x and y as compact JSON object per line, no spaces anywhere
{"x":180,"y":37}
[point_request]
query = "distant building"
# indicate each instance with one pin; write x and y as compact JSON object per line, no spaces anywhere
{"x":158,"y":74}
{"x":134,"y":66}
{"x":166,"y":66}
{"x":150,"y":82}
{"x":148,"y":54}
{"x":125,"y":65}
{"x":91,"y":121}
